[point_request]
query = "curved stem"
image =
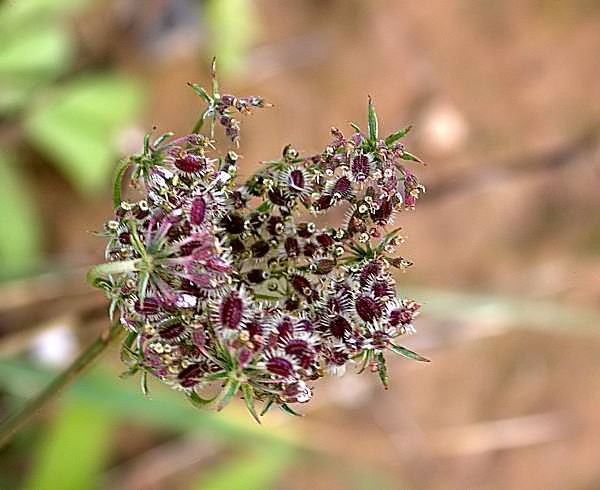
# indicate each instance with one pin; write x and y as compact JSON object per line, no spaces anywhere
{"x":16,"y":421}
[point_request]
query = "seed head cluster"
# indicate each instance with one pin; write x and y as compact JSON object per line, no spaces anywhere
{"x":226,"y":287}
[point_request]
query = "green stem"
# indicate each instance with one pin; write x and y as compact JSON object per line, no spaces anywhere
{"x":102,"y":271}
{"x":16,"y":421}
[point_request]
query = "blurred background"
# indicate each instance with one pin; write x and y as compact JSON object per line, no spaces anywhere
{"x":505,"y":101}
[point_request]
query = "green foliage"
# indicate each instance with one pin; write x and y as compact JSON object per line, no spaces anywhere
{"x":257,"y":470}
{"x":74,"y":450}
{"x":76,"y":126}
{"x":36,"y":48}
{"x":19,"y":239}
{"x":232,"y":26}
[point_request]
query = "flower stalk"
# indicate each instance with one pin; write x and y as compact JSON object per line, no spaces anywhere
{"x":28,"y":411}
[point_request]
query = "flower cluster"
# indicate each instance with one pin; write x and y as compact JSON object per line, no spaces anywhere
{"x":225,"y":288}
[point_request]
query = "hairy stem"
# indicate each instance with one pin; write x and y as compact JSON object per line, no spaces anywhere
{"x":21,"y":417}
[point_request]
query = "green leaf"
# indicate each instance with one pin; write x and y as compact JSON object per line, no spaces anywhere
{"x":20,"y":239}
{"x":404,"y":352}
{"x":30,"y":58}
{"x":258,"y":470}
{"x":382,"y":370}
{"x":287,"y":409}
{"x":167,"y":409}
{"x":229,"y":391}
{"x":248,"y":394}
{"x":232,"y":27}
{"x":74,"y":450}
{"x":198,"y":90}
{"x":409,"y":156}
{"x":373,"y":126}
{"x":120,"y":170}
{"x":392,"y":138}
{"x":77,"y":127}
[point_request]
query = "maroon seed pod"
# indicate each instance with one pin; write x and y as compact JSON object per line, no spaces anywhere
{"x":190,"y":164}
{"x":233,"y":223}
{"x":309,"y":249}
{"x":325,"y":240}
{"x":148,"y":307}
{"x":367,"y":308}
{"x":338,"y":326}
{"x":342,"y":186}
{"x":291,"y":304}
{"x":237,"y":246}
{"x":171,"y":332}
{"x":231,"y":310}
{"x":300,"y":284}
{"x":370,"y":270}
{"x":300,"y":350}
{"x":296,"y":180}
{"x":324,"y":266}
{"x":338,"y":357}
{"x":259,"y":249}
{"x":189,"y":247}
{"x":198,"y":337}
{"x":228,"y":100}
{"x":360,"y":167}
{"x":277,"y":197}
{"x":125,"y":238}
{"x":324,"y":202}
{"x":190,"y":375}
{"x":381,"y":288}
{"x":284,"y":328}
{"x":280,"y":366}
{"x":256,"y":276}
{"x":304,"y":230}
{"x":292,"y":247}
{"x":198,"y":212}
{"x":254,"y":329}
{"x":382,"y":215}
{"x":275,"y":225}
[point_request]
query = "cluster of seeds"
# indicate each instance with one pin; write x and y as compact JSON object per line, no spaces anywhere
{"x":225,"y":288}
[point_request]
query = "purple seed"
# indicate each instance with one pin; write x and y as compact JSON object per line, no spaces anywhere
{"x":230,"y":313}
{"x":342,"y":186}
{"x":296,"y":180}
{"x":292,"y":247}
{"x":369,"y":270}
{"x":360,"y":167}
{"x":367,"y":308}
{"x":280,"y":366}
{"x":190,"y":163}
{"x":260,"y":249}
{"x":325,"y":240}
{"x":148,"y":307}
{"x":300,"y":283}
{"x":171,"y":332}
{"x":198,"y":213}
{"x":338,"y":326}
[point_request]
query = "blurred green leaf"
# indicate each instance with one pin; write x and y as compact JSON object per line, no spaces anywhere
{"x":19,"y":224}
{"x":258,"y":470}
{"x":30,"y":57}
{"x":15,"y":13}
{"x":77,"y":127}
{"x":36,"y":47}
{"x":74,"y":450}
{"x":233,"y":26}
{"x":167,"y":409}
